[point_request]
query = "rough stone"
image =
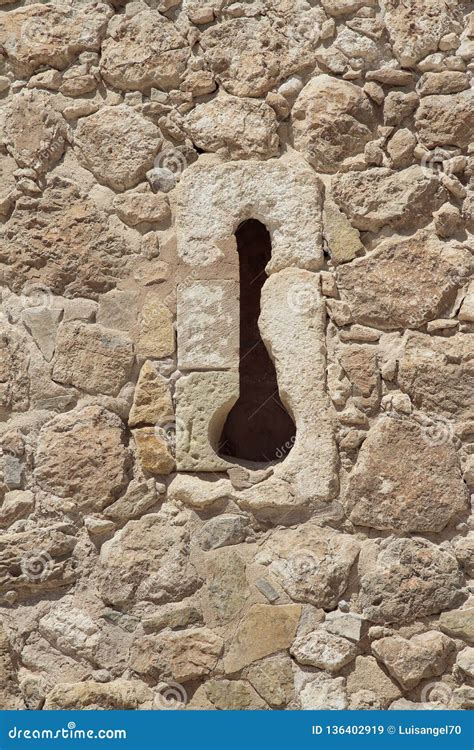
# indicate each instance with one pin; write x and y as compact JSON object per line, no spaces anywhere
{"x":411,"y":661}
{"x":241,"y":128}
{"x":368,"y":674}
{"x":184,"y":655}
{"x":152,"y":404}
{"x":458,"y":623}
{"x":323,"y":650}
{"x":320,"y":692}
{"x":156,"y":335}
{"x":153,"y":451}
{"x":117,"y":145}
{"x":312,"y":564}
{"x":405,"y":579}
{"x":332,"y":119}
{"x":144,"y":50}
{"x":395,"y":484}
{"x":380,"y":196}
{"x":265,"y":630}
{"x":92,"y":358}
{"x":465,"y":661}
{"x":445,"y":120}
{"x":121,"y":695}
{"x":438,"y":376}
{"x":81,"y":457}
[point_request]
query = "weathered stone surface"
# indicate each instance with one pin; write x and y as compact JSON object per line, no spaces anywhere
{"x":380,"y":196}
{"x":10,"y":698}
{"x":415,"y":28}
{"x":141,"y":208}
{"x":226,"y":590}
{"x":240,"y":128}
{"x":404,"y":579}
{"x":156,"y":334}
{"x":285,"y":192}
{"x":368,"y":675}
{"x":331,"y":120}
{"x":153,"y":451}
{"x":144,"y":50}
{"x":251,"y":55}
{"x":33,"y":562}
{"x":320,"y":692}
{"x":14,"y":376}
{"x":152,"y":404}
{"x":404,"y":282}
{"x":343,"y":239}
{"x":208,"y":325}
{"x":147,"y":559}
{"x":411,"y":661}
{"x":47,"y":35}
{"x":119,"y":695}
{"x":203,"y":401}
{"x":223,"y":531}
{"x":438,"y":375}
{"x":233,"y":695}
{"x":323,"y":650}
{"x":183,"y":655}
{"x":64,"y":244}
{"x":272,"y":678}
{"x":263,"y":631}
{"x":465,"y":661}
{"x":458,"y":623}
{"x":7,"y":186}
{"x":92,"y":358}
{"x":396,"y":485}
{"x":445,"y":120}
{"x":35,"y":132}
{"x":16,"y":504}
{"x":81,"y":457}
{"x":117,"y":145}
{"x":312,"y":564}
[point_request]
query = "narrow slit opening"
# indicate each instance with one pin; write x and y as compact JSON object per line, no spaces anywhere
{"x":258,"y":427}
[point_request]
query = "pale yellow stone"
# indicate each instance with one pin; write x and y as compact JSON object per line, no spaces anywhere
{"x":152,"y":401}
{"x":156,"y":334}
{"x":153,"y":452}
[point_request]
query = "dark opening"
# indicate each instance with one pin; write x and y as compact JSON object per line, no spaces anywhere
{"x":258,"y":428}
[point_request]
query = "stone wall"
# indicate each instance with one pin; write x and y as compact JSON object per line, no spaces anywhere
{"x":138,"y":567}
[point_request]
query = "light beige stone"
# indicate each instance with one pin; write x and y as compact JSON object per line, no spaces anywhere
{"x":395,"y":484}
{"x":323,"y":650}
{"x":368,"y":674}
{"x":343,"y":239}
{"x":415,"y":28}
{"x":41,"y":35}
{"x":182,"y":655}
{"x":152,"y":403}
{"x":141,"y":208}
{"x":156,"y":334}
{"x":116,"y":695}
{"x":203,"y":401}
{"x":445,"y":120}
{"x":81,"y":457}
{"x":10,"y":698}
{"x":208,"y":325}
{"x":332,"y":119}
{"x":117,"y":145}
{"x":458,"y":623}
{"x":214,"y":198}
{"x":312,"y":564}
{"x":405,"y":579}
{"x":438,"y":376}
{"x":263,"y":631}
{"x":92,"y":358}
{"x":416,"y":659}
{"x":144,"y":50}
{"x":242,"y":128}
{"x":380,"y":196}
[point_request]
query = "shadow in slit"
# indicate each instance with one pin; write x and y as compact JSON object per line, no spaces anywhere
{"x":258,"y":428}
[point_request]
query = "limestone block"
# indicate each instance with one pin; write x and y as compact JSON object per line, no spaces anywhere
{"x":396,"y":484}
{"x":405,"y":579}
{"x":81,"y":457}
{"x":213,"y":199}
{"x":117,"y":145}
{"x":208,"y":325}
{"x":203,"y":401}
{"x":120,"y":695}
{"x":445,"y":120}
{"x":92,"y":358}
{"x":265,"y":630}
{"x":152,"y":404}
{"x":332,"y":119}
{"x":153,"y":451}
{"x":404,"y":282}
{"x":416,"y":659}
{"x":156,"y":333}
{"x":292,"y":326}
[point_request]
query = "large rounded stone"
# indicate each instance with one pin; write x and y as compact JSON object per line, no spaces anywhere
{"x":117,"y":145}
{"x":144,"y":50}
{"x":331,"y":120}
